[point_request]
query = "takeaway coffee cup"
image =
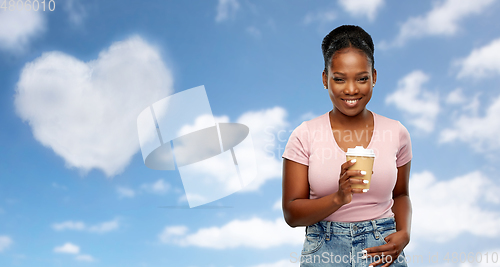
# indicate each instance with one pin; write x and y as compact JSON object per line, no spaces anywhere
{"x":364,"y":162}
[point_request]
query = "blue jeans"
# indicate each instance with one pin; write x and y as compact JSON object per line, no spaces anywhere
{"x":340,"y":244}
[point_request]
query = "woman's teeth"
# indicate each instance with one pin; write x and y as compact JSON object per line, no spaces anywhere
{"x":351,"y":101}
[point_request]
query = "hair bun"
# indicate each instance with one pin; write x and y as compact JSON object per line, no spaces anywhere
{"x":347,"y":36}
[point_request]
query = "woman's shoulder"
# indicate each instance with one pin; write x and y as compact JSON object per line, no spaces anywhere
{"x":316,"y":121}
{"x":388,"y":123}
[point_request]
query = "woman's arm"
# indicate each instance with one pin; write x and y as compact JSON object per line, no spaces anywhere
{"x":402,"y":204}
{"x":401,"y":208}
{"x":298,"y":209}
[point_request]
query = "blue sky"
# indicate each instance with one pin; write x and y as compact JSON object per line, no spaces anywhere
{"x":74,"y":190}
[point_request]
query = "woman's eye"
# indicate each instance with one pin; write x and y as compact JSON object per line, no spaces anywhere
{"x":337,"y":80}
{"x":364,"y":79}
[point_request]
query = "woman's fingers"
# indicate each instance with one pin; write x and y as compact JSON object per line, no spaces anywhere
{"x":383,"y":254}
{"x":386,"y":258}
{"x":352,"y":173}
{"x":379,"y":249}
{"x":347,"y":179}
{"x":350,"y":177}
{"x":346,"y":165}
{"x":347,"y":188}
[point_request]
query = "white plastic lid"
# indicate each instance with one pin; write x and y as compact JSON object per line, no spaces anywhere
{"x":360,"y":151}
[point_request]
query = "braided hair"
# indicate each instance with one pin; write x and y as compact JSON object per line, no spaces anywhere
{"x":347,"y":36}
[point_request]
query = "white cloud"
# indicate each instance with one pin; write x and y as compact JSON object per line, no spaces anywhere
{"x":85,"y":257}
{"x":226,"y":9}
{"x":419,"y":105}
{"x":69,"y":225}
{"x":456,"y":97}
{"x":482,"y":62}
{"x":5,"y":242}
{"x":81,"y":226}
{"x":458,"y":204}
{"x":67,"y":248}
{"x":19,"y":28}
{"x":281,"y":263}
{"x":278,"y":204}
{"x":105,"y":227}
{"x":201,"y":122}
{"x":362,"y":8}
{"x":467,"y":106}
{"x":443,"y":19}
{"x":474,"y":105}
{"x":124,"y":192}
{"x":254,"y":31}
{"x":76,"y":11}
{"x":173,"y":232}
{"x":481,"y":133}
{"x":264,"y":126}
{"x":87,"y":112}
{"x":158,"y":187}
{"x":322,"y":17}
{"x":231,"y":235}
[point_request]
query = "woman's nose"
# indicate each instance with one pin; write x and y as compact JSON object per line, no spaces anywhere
{"x":351,"y":88}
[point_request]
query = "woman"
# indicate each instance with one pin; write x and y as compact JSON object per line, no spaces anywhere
{"x":347,"y":225}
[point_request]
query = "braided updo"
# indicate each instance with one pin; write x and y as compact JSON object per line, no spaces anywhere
{"x":347,"y":36}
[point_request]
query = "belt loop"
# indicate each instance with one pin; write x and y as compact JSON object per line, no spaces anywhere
{"x":328,"y":225}
{"x":375,"y":230}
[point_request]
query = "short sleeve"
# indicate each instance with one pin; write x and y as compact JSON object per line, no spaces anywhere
{"x":404,"y":153}
{"x":297,"y":149}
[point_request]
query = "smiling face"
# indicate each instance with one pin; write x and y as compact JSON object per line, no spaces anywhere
{"x":350,"y":80}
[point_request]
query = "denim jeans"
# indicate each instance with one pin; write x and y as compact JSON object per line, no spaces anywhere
{"x":340,"y":244}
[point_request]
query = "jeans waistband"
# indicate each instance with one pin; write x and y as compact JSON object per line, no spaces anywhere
{"x":352,"y":229}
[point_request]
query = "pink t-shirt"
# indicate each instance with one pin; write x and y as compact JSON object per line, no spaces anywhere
{"x":312,"y":144}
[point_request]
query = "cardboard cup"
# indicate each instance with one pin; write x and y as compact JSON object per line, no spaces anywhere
{"x":364,"y":162}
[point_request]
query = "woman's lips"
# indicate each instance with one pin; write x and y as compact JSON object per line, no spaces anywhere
{"x":351,"y":102}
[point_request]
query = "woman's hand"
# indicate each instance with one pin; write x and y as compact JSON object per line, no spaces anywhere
{"x":389,"y":252}
{"x":344,"y":194}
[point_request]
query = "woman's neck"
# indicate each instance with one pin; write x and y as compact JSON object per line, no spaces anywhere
{"x":361,"y":119}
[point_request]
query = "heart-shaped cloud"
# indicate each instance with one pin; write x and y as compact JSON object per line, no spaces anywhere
{"x":87,"y":111}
